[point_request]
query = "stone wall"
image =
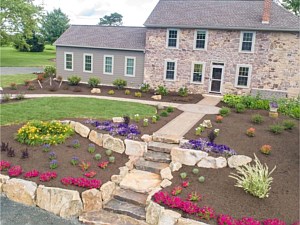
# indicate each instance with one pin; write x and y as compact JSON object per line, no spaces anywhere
{"x":275,"y":61}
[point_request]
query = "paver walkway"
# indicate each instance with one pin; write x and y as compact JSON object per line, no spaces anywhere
{"x":19,"y":70}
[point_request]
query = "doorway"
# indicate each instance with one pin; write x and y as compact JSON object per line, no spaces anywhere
{"x":216,"y":78}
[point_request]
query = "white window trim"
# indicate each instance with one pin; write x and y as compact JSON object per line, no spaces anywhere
{"x":125,"y":68}
{"x":253,"y":41}
{"x":192,"y":72}
{"x":237,"y":75}
{"x":177,"y":40}
{"x":112,"y":64}
{"x":87,"y":71}
{"x":206,"y":40}
{"x":65,"y":61}
{"x":165,"y":70}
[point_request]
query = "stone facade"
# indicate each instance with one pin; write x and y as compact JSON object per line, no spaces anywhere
{"x":275,"y":60}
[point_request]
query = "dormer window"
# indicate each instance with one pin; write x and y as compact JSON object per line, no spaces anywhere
{"x":172,"y":38}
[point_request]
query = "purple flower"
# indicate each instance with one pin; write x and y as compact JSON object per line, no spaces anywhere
{"x":273,"y":105}
{"x":52,"y":155}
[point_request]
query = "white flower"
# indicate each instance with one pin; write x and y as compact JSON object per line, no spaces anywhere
{"x":146,"y":120}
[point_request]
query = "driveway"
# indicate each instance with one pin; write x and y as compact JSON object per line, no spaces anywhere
{"x":13,"y":213}
{"x":19,"y":70}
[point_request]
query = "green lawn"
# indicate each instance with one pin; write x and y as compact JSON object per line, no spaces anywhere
{"x":60,"y":108}
{"x":6,"y":80}
{"x":10,"y":57}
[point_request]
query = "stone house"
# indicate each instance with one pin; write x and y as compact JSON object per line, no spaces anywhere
{"x":221,"y":46}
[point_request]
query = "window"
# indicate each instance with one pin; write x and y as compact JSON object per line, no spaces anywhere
{"x":243,"y":76}
{"x":88,"y":63}
{"x":247,"y":41}
{"x":172,"y":39}
{"x":170,"y":70}
{"x":69,"y":61}
{"x":130,"y":66}
{"x":198,"y":69}
{"x":200,"y":39}
{"x":108,"y":64}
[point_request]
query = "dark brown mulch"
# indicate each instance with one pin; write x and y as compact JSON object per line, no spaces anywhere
{"x":218,"y":190}
{"x":86,"y":90}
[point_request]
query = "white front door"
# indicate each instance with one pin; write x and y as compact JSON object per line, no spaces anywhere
{"x":216,"y":77}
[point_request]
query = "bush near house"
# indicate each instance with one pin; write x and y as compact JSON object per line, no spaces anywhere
{"x":74,"y":80}
{"x":120,"y":83}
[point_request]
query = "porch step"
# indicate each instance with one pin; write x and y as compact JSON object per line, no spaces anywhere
{"x":166,"y":138}
{"x":161,"y":147}
{"x":153,"y":167}
{"x":157,"y":156}
{"x":131,"y":197}
{"x":125,"y":208}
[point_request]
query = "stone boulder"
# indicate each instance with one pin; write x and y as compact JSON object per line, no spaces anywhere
{"x":175,"y":166}
{"x":207,"y":124}
{"x":146,"y":138}
{"x":62,"y":202}
{"x":238,"y":160}
{"x":114,"y":144}
{"x":160,"y":106}
{"x":156,"y":97}
{"x":165,"y":183}
{"x":184,"y":221}
{"x":92,"y":200}
{"x":96,"y":138}
{"x":118,"y":119}
{"x":82,"y":130}
{"x":72,"y":124}
{"x":168,"y":217}
{"x":153,"y":212}
{"x":212,"y":162}
{"x":166,"y":173}
{"x":107,"y":191}
{"x":166,"y":138}
{"x":135,"y":148}
{"x":187,"y":157}
{"x":21,"y":191}
{"x":3,"y":180}
{"x":96,"y":91}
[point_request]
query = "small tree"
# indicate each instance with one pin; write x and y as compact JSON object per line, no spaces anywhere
{"x":292,"y":5}
{"x":114,"y":19}
{"x":29,"y":44}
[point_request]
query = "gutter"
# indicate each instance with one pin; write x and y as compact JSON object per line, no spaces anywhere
{"x":84,"y":46}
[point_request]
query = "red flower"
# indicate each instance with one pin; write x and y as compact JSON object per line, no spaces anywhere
{"x":4,"y":165}
{"x":185,"y":184}
{"x":15,"y":171}
{"x":103,"y":164}
{"x":47,"y":176}
{"x":81,"y":182}
{"x":90,"y":174}
{"x":32,"y":173}
{"x":194,"y":197}
{"x":176,"y":190}
{"x":206,"y":213}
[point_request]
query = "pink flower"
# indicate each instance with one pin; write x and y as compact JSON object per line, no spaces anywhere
{"x":103,"y":165}
{"x":4,"y":165}
{"x":81,"y":182}
{"x":185,"y":184}
{"x":206,"y":213}
{"x":248,"y":221}
{"x":90,"y":174}
{"x":273,"y":222}
{"x":15,"y":171}
{"x":194,"y":196}
{"x":32,"y":173}
{"x":47,"y":176}
{"x":226,"y":220}
{"x":176,"y":190}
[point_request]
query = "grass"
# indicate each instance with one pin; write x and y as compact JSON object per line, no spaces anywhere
{"x":10,"y":57}
{"x":60,"y":108}
{"x":6,"y":80}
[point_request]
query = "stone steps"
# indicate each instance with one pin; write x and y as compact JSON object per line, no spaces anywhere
{"x":125,"y":208}
{"x":161,"y":147}
{"x":166,"y":138}
{"x":131,"y":197}
{"x":157,"y":156}
{"x":149,"y":166}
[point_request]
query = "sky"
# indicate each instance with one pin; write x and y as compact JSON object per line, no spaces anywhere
{"x":89,"y":12}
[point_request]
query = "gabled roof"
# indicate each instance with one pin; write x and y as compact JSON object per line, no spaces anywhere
{"x":218,"y":14}
{"x":105,"y":37}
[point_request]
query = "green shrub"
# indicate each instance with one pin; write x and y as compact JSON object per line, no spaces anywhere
{"x":162,"y":90}
{"x":120,"y":83}
{"x":276,"y":128}
{"x":183,"y":175}
{"x":49,"y":71}
{"x":232,"y":99}
{"x":257,"y":119}
{"x":295,"y":112}
{"x":108,"y":152}
{"x":254,"y":179}
{"x":224,"y":111}
{"x":183,"y":91}
{"x":170,"y":109}
{"x":201,"y":179}
{"x":288,"y":124}
{"x":6,"y":97}
{"x":240,"y":108}
{"x":74,"y":80}
{"x":164,"y":114}
{"x":111,"y":92}
{"x":20,"y":96}
{"x":138,"y":94}
{"x":195,"y":171}
{"x":127,"y":92}
{"x":93,"y":82}
{"x":98,"y":156}
{"x":111,"y":159}
{"x":145,"y":87}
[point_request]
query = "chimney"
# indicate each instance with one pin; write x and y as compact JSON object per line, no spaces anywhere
{"x":267,"y":11}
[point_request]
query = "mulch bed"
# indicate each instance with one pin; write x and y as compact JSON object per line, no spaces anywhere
{"x":218,"y":189}
{"x":86,"y":90}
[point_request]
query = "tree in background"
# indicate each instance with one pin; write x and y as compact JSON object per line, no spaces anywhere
{"x":35,"y":43}
{"x":54,"y":24}
{"x":18,"y":17}
{"x":114,"y":19}
{"x":293,"y":5}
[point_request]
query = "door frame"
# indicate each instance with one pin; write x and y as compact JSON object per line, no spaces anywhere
{"x":222,"y":76}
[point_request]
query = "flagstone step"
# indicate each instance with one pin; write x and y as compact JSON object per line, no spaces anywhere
{"x":161,"y":147}
{"x":157,"y":156}
{"x":125,"y":208}
{"x":166,"y":138}
{"x":130,"y":197}
{"x":153,"y":167}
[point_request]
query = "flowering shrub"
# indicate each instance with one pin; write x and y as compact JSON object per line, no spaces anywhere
{"x":176,"y":190}
{"x":39,"y":132}
{"x":266,"y":149}
{"x":250,"y":132}
{"x":226,"y":220}
{"x":248,"y":221}
{"x":199,"y":130}
{"x":32,"y":173}
{"x":154,"y":119}
{"x":194,"y":197}
{"x":219,"y":119}
{"x":103,"y":164}
{"x":4,"y":165}
{"x":145,"y":122}
{"x":206,"y":213}
{"x":47,"y":176}
{"x":53,"y":164}
{"x":52,"y":155}
{"x":273,"y":222}
{"x":74,"y":161}
{"x":75,"y":143}
{"x":90,"y":174}
{"x":46,"y":147}
{"x":91,"y":148}
{"x":81,"y":182}
{"x":84,"y":166}
{"x":185,"y":184}
{"x":15,"y":171}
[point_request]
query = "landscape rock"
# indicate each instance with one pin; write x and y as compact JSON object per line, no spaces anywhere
{"x":82,"y":130}
{"x":166,"y":173}
{"x":238,"y":160}
{"x":73,"y":124}
{"x":212,"y":162}
{"x":114,"y":144}
{"x":207,"y":124}
{"x":62,"y":202}
{"x":96,"y":91}
{"x":187,"y":157}
{"x":160,"y":106}
{"x":135,"y":148}
{"x":153,"y":212}
{"x":96,"y":138}
{"x":156,"y":97}
{"x":65,"y":121}
{"x":151,"y":193}
{"x":92,"y":200}
{"x":116,"y":179}
{"x":21,"y":191}
{"x":168,"y":217}
{"x":165,"y":183}
{"x":166,"y":138}
{"x":107,"y":191}
{"x":184,"y":221}
{"x":118,"y":119}
{"x":146,"y":138}
{"x":3,"y":180}
{"x":175,"y":166}
{"x":132,"y":160}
